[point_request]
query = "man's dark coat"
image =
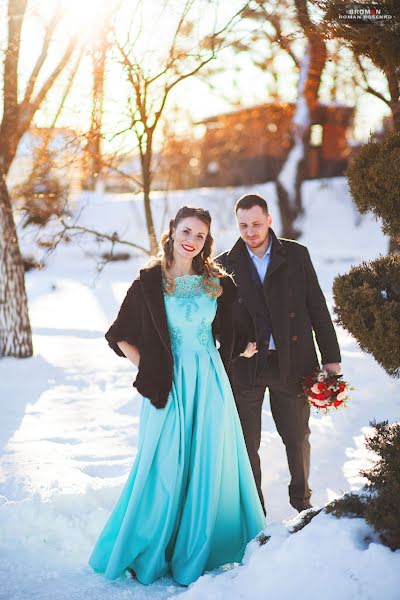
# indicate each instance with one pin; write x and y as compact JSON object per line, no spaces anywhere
{"x":142,"y":321}
{"x":296,"y":305}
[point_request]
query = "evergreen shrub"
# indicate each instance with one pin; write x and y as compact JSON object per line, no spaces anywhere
{"x":367,"y":303}
{"x":374,"y":180}
{"x":379,"y":501}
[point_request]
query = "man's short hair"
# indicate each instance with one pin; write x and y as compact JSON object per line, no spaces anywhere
{"x":249,"y":200}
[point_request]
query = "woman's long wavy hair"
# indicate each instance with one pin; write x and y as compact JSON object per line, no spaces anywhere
{"x":203,"y":263}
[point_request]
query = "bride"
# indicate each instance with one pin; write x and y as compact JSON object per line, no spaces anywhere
{"x":190,"y":503}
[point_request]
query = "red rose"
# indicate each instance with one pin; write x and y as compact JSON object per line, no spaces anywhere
{"x":323,"y":395}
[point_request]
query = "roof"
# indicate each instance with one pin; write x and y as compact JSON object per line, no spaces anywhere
{"x":328,"y":106}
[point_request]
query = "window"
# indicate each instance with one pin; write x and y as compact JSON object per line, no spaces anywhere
{"x":316,"y":135}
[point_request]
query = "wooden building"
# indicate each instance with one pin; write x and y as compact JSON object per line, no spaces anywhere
{"x":249,"y":145}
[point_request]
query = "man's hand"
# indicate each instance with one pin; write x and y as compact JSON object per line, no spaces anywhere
{"x":251,"y":349}
{"x":333,"y":367}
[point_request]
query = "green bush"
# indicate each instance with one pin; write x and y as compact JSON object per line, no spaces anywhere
{"x":374,"y":180}
{"x":383,"y":488}
{"x":367,"y":303}
{"x":349,"y":505}
{"x":379,"y":502}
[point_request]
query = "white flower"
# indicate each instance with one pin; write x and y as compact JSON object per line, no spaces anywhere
{"x":342,"y":395}
{"x":319,"y":403}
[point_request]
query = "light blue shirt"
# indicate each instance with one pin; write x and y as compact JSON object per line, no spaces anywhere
{"x":261,"y":265}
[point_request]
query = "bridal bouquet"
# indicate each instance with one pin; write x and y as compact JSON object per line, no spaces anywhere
{"x":325,"y":390}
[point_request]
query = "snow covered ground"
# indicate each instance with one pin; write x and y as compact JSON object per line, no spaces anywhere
{"x":70,"y":417}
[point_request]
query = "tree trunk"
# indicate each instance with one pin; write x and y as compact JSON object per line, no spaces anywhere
{"x":290,"y":177}
{"x":15,"y":329}
{"x":293,"y":171}
{"x":394,"y":89}
{"x":149,"y":219}
{"x":145,"y":157}
{"x":392,"y":75}
{"x":94,"y":138}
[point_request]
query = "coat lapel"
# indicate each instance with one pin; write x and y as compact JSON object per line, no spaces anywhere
{"x":239,"y":260}
{"x":151,"y":281}
{"x":278,"y":256}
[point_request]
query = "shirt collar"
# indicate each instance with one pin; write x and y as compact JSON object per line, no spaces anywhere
{"x":255,"y":257}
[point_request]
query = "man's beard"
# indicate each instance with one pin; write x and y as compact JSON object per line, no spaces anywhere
{"x":258,"y":244}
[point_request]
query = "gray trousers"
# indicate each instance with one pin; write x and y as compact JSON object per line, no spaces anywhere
{"x":291,"y":415}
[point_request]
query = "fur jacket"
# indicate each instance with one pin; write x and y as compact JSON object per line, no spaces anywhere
{"x":142,"y":321}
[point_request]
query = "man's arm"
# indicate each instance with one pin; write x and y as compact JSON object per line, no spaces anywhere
{"x":321,"y":320}
{"x":242,"y":345}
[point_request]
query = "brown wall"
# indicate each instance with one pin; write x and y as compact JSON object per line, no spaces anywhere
{"x":249,"y":146}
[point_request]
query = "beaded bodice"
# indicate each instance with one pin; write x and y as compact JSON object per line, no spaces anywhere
{"x":190,"y":313}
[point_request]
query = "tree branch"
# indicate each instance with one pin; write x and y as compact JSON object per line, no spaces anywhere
{"x":34,"y":104}
{"x":16,"y":13}
{"x":67,"y":90}
{"x":394,"y":89}
{"x":114,"y":238}
{"x":42,"y":57}
{"x":304,"y":18}
{"x":368,"y":88}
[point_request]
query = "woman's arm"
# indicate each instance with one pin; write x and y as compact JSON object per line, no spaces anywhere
{"x":131,"y":352}
{"x":127,"y":328}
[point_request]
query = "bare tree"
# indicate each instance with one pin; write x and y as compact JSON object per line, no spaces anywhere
{"x":15,"y":331}
{"x":288,"y":25}
{"x":187,"y":54}
{"x":93,"y":148}
{"x":312,"y":65}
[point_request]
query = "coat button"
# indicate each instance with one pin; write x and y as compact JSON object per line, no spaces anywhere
{"x":292,"y":315}
{"x":294,"y":338}
{"x":240,"y":300}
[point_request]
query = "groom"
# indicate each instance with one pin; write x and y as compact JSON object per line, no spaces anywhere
{"x":278,"y":306}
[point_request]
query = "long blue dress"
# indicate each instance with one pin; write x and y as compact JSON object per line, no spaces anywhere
{"x":190,"y":503}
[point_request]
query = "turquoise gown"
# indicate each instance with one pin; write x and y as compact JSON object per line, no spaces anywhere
{"x":190,"y":503}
